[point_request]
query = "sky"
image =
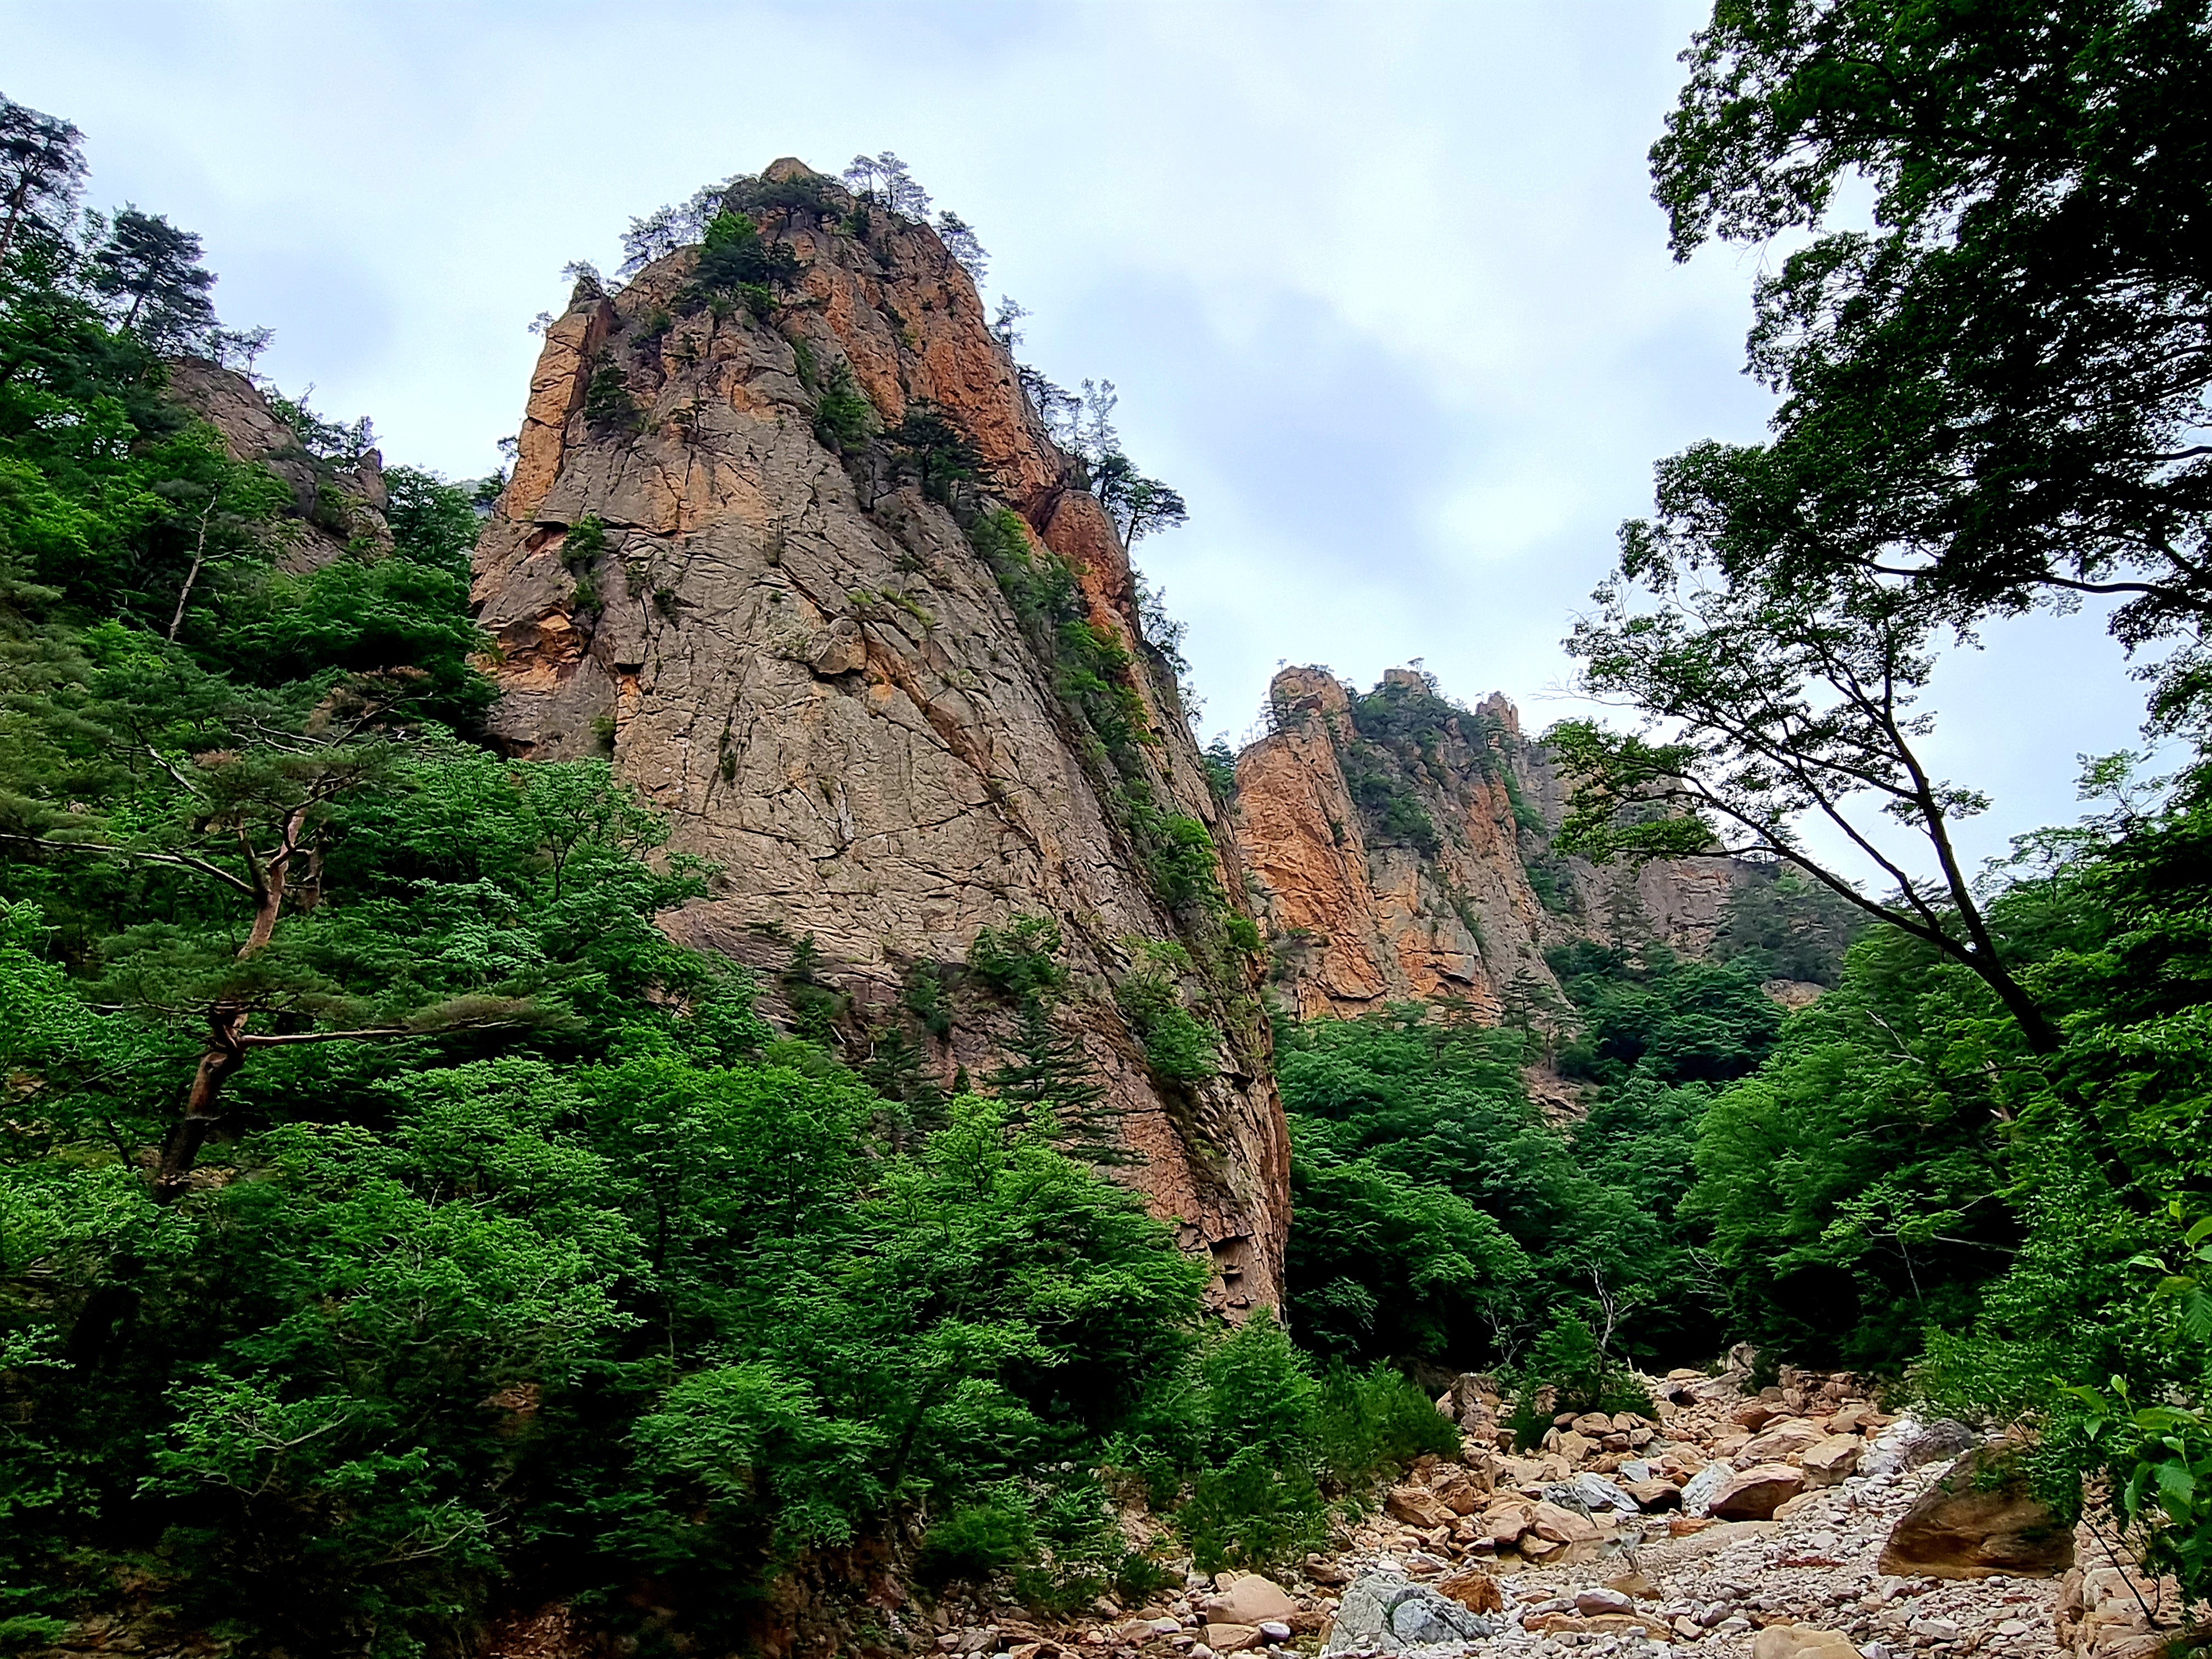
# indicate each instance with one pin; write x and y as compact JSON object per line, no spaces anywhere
{"x":1380,"y":283}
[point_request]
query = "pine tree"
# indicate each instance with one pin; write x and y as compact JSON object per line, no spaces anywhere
{"x":1049,"y":1076}
{"x":151,"y":271}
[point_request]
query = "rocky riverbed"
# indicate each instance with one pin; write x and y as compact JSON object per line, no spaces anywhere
{"x":1795,"y":1521}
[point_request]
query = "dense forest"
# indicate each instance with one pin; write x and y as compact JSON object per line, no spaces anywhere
{"x":396,"y":1223}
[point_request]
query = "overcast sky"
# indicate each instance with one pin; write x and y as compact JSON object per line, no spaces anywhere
{"x":1381,"y":283}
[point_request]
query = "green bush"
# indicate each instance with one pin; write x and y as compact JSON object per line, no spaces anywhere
{"x":1021,"y":963}
{"x":734,"y":258}
{"x":1253,"y":1512}
{"x":978,"y":1539}
{"x":1566,"y":1367}
{"x":608,"y":405}
{"x":1367,"y":1422}
{"x":843,"y":416}
{"x":1178,"y":1045}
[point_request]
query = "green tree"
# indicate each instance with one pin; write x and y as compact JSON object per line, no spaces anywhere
{"x":149,"y":272}
{"x":41,"y":170}
{"x":1997,"y":392}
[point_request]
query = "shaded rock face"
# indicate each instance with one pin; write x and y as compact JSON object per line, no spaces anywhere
{"x":1400,"y":843}
{"x":1980,"y":1518}
{"x":803,"y":661}
{"x":332,"y":505}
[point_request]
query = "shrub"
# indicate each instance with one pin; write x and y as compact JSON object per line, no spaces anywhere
{"x":1366,"y":1421}
{"x":1178,"y":1045}
{"x":734,"y":258}
{"x":1253,"y":1512}
{"x":1022,"y":963}
{"x":978,"y":1539}
{"x":1567,"y":1368}
{"x":608,"y":405}
{"x":843,"y":416}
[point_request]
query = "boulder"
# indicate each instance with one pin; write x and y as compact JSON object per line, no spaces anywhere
{"x":1979,"y":1518}
{"x":1596,"y":1424}
{"x":1802,"y":1642}
{"x":1781,"y":1439}
{"x":1573,"y":1445}
{"x":1944,"y":1438}
{"x":1384,"y":1613}
{"x":1755,"y":1414}
{"x":1506,"y":1521}
{"x":1908,"y":1442}
{"x":1417,"y":1507}
{"x":1474,"y":1589}
{"x":1564,"y":1526}
{"x":1232,"y":1638}
{"x":1655,"y":1494}
{"x":1828,"y":1461}
{"x":1700,"y":1491}
{"x":1322,"y":1570}
{"x":1249,"y":1599}
{"x":1592,"y":1492}
{"x":1753,"y":1494}
{"x":1457,"y":1490}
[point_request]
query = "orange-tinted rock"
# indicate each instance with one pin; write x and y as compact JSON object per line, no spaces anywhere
{"x":1979,"y":1518}
{"x":1753,"y":1494}
{"x":803,"y":661}
{"x":1364,"y":909}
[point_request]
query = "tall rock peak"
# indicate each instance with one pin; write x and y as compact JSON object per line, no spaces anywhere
{"x":1400,"y":846}
{"x":728,"y":561}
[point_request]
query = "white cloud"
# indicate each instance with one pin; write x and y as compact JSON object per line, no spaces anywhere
{"x":1380,"y":280}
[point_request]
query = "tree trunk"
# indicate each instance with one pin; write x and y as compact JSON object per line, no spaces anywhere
{"x":225,"y":1051}
{"x":223,"y":1054}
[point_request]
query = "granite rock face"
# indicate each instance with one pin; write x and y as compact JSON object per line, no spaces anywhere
{"x":333,"y":505}
{"x":804,"y":661}
{"x":1400,"y":841}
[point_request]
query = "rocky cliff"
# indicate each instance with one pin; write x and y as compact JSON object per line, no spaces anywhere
{"x":893,"y":704}
{"x":332,"y":505}
{"x":1400,"y":842}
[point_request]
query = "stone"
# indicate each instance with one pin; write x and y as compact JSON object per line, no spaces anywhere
{"x":1781,"y":1440}
{"x":1474,"y":1589}
{"x":1978,"y":1519}
{"x":1322,"y":1570}
{"x":1384,"y":1613}
{"x":1574,"y":1446}
{"x":1602,"y":1601}
{"x":1249,"y":1599}
{"x":1944,"y":1438}
{"x":1593,"y":1491}
{"x":1754,"y":1414}
{"x":1700,"y":1491}
{"x":1416,"y":1507}
{"x":1232,"y":1638}
{"x":1753,"y":1494}
{"x":1274,"y":1630}
{"x":1596,"y":1424}
{"x":1508,"y":1517}
{"x":1802,"y":1642}
{"x":1655,"y":1494}
{"x":1564,"y":1526}
{"x":1457,"y":1490}
{"x":1829,"y":1461}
